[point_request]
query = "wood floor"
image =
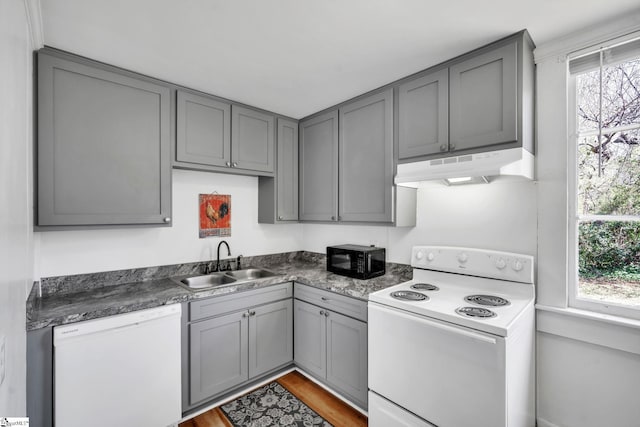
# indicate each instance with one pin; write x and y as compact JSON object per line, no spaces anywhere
{"x":324,"y":403}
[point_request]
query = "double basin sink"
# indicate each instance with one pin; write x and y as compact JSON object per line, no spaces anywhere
{"x":221,"y":278}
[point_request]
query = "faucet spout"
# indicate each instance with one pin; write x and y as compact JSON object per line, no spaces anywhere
{"x":218,"y":254}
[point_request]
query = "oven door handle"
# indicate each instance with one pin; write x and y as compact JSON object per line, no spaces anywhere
{"x":432,"y":322}
{"x":459,"y":331}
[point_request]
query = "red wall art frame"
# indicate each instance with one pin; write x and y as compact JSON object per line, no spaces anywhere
{"x":215,"y":215}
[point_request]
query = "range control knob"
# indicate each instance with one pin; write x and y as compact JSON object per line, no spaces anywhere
{"x":501,"y":263}
{"x":517,"y":265}
{"x":419,"y":255}
{"x":462,"y":257}
{"x":431,"y":256}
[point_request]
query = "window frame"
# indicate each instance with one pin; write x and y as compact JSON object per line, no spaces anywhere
{"x":574,"y":300}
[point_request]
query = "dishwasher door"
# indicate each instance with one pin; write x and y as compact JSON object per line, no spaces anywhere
{"x":121,"y":370}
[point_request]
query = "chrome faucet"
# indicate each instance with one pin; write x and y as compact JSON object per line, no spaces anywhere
{"x":218,"y":258}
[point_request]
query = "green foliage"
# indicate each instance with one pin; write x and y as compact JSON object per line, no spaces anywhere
{"x":609,"y":248}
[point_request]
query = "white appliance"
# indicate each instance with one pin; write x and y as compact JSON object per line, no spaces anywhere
{"x":122,"y":370}
{"x":514,"y":162}
{"x":454,"y":346}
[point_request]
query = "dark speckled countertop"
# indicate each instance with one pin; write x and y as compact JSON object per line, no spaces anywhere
{"x":68,"y":299}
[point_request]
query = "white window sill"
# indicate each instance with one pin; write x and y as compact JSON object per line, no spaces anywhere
{"x":596,"y":328}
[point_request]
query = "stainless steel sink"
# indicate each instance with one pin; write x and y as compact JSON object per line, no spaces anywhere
{"x":250,"y":273}
{"x":207,"y":281}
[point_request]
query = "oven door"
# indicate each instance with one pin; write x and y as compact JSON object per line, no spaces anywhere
{"x":448,"y":375}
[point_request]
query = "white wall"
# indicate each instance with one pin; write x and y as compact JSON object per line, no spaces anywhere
{"x":588,"y":365}
{"x":500,"y":216}
{"x":75,"y":252}
{"x":15,"y":201}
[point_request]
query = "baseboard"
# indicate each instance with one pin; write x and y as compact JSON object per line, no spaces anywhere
{"x":333,"y":392}
{"x":544,"y":423}
{"x":228,"y":398}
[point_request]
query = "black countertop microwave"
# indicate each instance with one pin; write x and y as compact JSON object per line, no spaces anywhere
{"x":359,"y":262}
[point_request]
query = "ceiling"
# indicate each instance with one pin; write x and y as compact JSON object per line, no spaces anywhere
{"x":296,"y":57}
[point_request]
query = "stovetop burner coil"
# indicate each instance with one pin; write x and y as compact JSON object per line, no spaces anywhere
{"x":490,"y":300}
{"x":425,"y":287}
{"x":478,"y":312}
{"x":409,"y":296}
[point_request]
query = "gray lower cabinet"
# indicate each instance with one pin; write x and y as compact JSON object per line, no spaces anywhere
{"x":319,"y":168}
{"x":219,"y":355}
{"x":333,"y":348}
{"x":278,"y":197}
{"x":252,"y":140}
{"x":203,"y":130}
{"x":103,"y":147}
{"x":237,"y":344}
{"x":423,"y":115}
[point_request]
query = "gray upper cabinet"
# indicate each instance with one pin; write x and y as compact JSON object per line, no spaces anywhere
{"x":252,"y":140}
{"x":366,"y":159}
{"x":104,"y":145}
{"x":424,"y":115}
{"x":203,"y":130}
{"x":484,"y":101}
{"x":287,"y":170}
{"x":319,"y":168}
{"x":278,"y":197}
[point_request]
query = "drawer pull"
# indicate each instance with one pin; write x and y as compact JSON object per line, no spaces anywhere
{"x":321,"y":312}
{"x":325,"y":299}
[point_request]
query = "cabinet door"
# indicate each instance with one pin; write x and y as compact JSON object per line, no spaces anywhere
{"x":347,"y":356}
{"x":219,"y":355}
{"x":270,"y":337}
{"x":484,"y":104}
{"x":423,"y":115}
{"x":319,"y":168}
{"x":203,"y":128}
{"x":310,"y":340}
{"x":252,"y":140}
{"x":287,"y":175}
{"x":366,"y":159}
{"x":103,"y":145}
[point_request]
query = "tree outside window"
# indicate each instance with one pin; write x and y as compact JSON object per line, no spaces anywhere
{"x":608,"y":168}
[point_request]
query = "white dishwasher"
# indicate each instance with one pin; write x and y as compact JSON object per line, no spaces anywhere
{"x":121,"y":370}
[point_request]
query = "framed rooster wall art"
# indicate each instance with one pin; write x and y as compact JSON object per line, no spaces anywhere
{"x":215,"y":215}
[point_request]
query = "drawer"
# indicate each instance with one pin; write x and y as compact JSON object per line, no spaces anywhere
{"x":348,"y":306}
{"x":216,"y":306}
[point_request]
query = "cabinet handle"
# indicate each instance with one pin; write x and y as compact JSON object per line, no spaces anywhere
{"x":252,"y":313}
{"x":245,"y":314}
{"x":235,"y":164}
{"x":321,"y":312}
{"x":228,"y":164}
{"x":167,"y":220}
{"x":333,"y":218}
{"x":452,"y":147}
{"x":443,"y":147}
{"x":279,"y":217}
{"x":324,"y":298}
{"x":326,"y":314}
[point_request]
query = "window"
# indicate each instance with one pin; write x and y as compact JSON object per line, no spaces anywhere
{"x":606,"y":210}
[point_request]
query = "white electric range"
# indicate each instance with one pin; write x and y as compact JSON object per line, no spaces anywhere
{"x":455,"y":345}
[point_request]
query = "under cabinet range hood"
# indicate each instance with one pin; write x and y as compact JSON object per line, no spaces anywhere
{"x":467,"y":168}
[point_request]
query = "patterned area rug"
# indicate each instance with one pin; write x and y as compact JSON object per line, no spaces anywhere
{"x":271,"y":405}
